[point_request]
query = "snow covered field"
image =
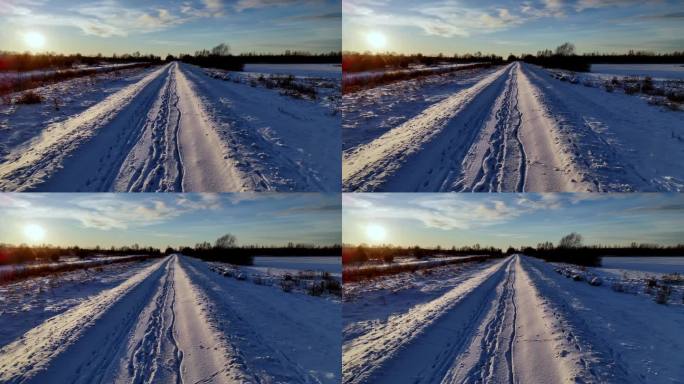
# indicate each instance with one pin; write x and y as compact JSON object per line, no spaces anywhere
{"x":169,"y":320}
{"x":414,"y":70}
{"x":300,"y":263}
{"x":505,"y":321}
{"x":657,"y":71}
{"x":169,"y":128}
{"x":333,"y":71}
{"x":512,"y":128}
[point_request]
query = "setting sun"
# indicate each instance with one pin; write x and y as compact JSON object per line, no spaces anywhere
{"x":376,"y":233}
{"x":34,"y":40}
{"x":376,"y":40}
{"x":34,"y":232}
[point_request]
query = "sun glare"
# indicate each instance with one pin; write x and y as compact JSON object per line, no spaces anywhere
{"x":34,"y":40}
{"x":376,"y":233}
{"x":376,"y":40}
{"x":34,"y":233}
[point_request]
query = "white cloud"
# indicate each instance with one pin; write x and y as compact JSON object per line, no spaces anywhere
{"x":448,"y":211}
{"x":105,"y":211}
{"x":105,"y":18}
{"x":242,"y":5}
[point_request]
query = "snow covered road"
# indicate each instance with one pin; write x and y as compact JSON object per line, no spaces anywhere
{"x":511,"y":321}
{"x":517,"y":129}
{"x":172,"y":131}
{"x":176,"y":321}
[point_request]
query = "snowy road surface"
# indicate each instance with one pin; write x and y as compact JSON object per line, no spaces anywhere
{"x":176,"y":321}
{"x":510,"y":321}
{"x":176,"y":129}
{"x":518,"y":129}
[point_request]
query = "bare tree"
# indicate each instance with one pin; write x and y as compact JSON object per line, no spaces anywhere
{"x":565,"y":49}
{"x":222,"y":49}
{"x":226,"y":241}
{"x":573,"y":240}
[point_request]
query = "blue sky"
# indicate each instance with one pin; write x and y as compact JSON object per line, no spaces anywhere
{"x":503,"y":26}
{"x":512,"y":219}
{"x":170,"y":219}
{"x":171,"y":26}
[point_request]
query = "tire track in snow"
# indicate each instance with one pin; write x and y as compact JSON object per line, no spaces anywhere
{"x":518,"y":342}
{"x":149,"y":359}
{"x":43,"y":158}
{"x":151,"y":328}
{"x":502,"y":168}
{"x":420,"y":345}
{"x":498,"y":329}
{"x":154,"y":135}
{"x":425,"y":152}
{"x":154,"y":164}
{"x":46,"y":350}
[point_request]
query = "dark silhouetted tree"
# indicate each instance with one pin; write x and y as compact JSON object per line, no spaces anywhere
{"x":226,"y":241}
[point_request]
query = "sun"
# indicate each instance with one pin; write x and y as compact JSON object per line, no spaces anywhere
{"x":34,"y":232}
{"x":376,"y":40}
{"x":376,"y":233}
{"x":34,"y":40}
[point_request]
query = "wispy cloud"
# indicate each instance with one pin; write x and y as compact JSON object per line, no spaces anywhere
{"x":445,"y":212}
{"x":242,"y":5}
{"x":104,"y":18}
{"x":103,"y":211}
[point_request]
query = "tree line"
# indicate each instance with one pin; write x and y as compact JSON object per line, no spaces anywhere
{"x":219,"y":56}
{"x":359,"y":62}
{"x":18,"y":254}
{"x":569,"y":249}
{"x":223,"y":249}
{"x":12,"y":61}
{"x":565,"y":57}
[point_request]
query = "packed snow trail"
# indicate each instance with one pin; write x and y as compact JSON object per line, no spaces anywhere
{"x":517,"y":150}
{"x":492,"y":328}
{"x":519,"y":130}
{"x":422,"y":153}
{"x":492,"y":136}
{"x":161,"y":325}
{"x":178,"y":129}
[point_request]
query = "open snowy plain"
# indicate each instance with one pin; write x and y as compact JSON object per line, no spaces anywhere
{"x":171,"y":320}
{"x":514,"y":320}
{"x":175,"y":127}
{"x":513,"y":128}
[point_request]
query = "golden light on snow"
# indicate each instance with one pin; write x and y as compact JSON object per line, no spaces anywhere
{"x":34,"y":233}
{"x":34,"y":40}
{"x":376,"y":40}
{"x":376,"y":233}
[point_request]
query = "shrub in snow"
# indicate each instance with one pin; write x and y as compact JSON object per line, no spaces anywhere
{"x":673,"y":278}
{"x":29,"y":97}
{"x":316,"y":289}
{"x":287,"y":285}
{"x":595,"y":281}
{"x":663,"y":294}
{"x":618,"y":287}
{"x":647,"y":85}
{"x":333,"y":286}
{"x":577,"y":277}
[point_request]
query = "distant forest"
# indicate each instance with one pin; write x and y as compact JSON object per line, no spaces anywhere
{"x":217,"y":57}
{"x":569,"y":250}
{"x":11,"y":61}
{"x":563,"y":57}
{"x":359,"y":62}
{"x":223,"y":249}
